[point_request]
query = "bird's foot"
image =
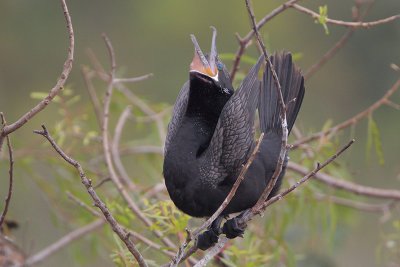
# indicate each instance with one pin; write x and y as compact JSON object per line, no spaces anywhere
{"x":234,"y":228}
{"x":207,"y":239}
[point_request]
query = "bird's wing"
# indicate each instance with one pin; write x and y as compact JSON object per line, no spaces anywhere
{"x":234,"y":134}
{"x":177,"y":114}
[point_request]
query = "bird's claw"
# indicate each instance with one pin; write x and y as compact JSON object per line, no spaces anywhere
{"x":232,"y":228}
{"x":207,"y":239}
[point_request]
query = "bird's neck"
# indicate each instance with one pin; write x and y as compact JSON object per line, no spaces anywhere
{"x":206,"y":103}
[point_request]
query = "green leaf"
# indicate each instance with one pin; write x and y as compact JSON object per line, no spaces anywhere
{"x":323,"y":17}
{"x":43,"y":95}
{"x":374,"y":138}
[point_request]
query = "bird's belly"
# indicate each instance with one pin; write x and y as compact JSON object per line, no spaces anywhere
{"x":195,"y":199}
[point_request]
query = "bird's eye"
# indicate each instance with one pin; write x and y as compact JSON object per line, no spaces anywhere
{"x":220,"y":66}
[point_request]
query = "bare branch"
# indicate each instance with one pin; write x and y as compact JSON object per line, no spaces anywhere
{"x":212,"y":252}
{"x":366,"y":207}
{"x":250,"y":213}
{"x":282,"y":115}
{"x":134,"y":79}
{"x":358,"y":16}
{"x":63,"y":242}
{"x":232,"y":193}
{"x":132,"y":233}
{"x":86,"y":73}
{"x":116,"y":227}
{"x":243,"y":43}
{"x":106,"y":146}
{"x":358,"y":24}
{"x":55,"y":90}
{"x":308,"y":176}
{"x":347,"y":185}
{"x":10,"y":173}
{"x":115,"y":149}
{"x":82,"y":204}
{"x":191,"y":236}
{"x":353,"y":120}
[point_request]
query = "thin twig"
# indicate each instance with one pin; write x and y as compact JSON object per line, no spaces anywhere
{"x":353,"y":120}
{"x":358,"y":24}
{"x":116,"y":227}
{"x":55,"y":90}
{"x":366,"y":207}
{"x":181,"y":252}
{"x":352,"y":187}
{"x":10,"y":173}
{"x":358,"y":16}
{"x":244,"y":42}
{"x":232,"y":193}
{"x":82,"y":204}
{"x":86,"y":73}
{"x":107,"y":151}
{"x":250,"y":213}
{"x":134,"y":79}
{"x":308,"y":176}
{"x":212,"y":252}
{"x":132,"y":233}
{"x":116,"y":152}
{"x":282,"y":115}
{"x":63,"y":242}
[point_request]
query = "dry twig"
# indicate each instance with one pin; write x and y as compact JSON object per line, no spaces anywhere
{"x":116,"y":151}
{"x":352,"y":187}
{"x":10,"y":173}
{"x":244,"y":42}
{"x":282,"y":115}
{"x":107,"y":150}
{"x":63,"y":242}
{"x":6,"y":130}
{"x":356,"y":24}
{"x":192,"y":236}
{"x":357,"y":16}
{"x":116,"y":227}
{"x":249,"y":214}
{"x":353,"y":120}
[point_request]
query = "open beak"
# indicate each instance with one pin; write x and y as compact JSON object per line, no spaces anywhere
{"x":200,"y":64}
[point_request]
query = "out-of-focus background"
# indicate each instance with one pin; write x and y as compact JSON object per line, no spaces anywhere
{"x":153,"y":36}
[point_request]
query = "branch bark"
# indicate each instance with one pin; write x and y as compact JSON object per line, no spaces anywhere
{"x":107,"y":150}
{"x":353,"y":120}
{"x":357,"y":24}
{"x":347,"y":185}
{"x":6,"y":130}
{"x":116,"y":227}
{"x":63,"y":242}
{"x":10,"y":174}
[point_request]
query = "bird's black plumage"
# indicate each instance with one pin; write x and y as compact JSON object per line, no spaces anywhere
{"x":211,"y":133}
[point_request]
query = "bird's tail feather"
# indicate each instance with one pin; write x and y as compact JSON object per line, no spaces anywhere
{"x":292,"y":86}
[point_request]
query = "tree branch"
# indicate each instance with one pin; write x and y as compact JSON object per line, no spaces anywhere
{"x":358,"y":24}
{"x":106,"y":146}
{"x":10,"y":174}
{"x":282,"y":115}
{"x":115,"y":149}
{"x":55,"y":90}
{"x":63,"y":242}
{"x":357,"y":16}
{"x":116,"y":227}
{"x":250,"y":213}
{"x":347,"y":185}
{"x":353,"y":120}
{"x":191,"y":236}
{"x":244,"y":42}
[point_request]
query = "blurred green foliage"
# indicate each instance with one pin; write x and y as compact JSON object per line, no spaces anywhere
{"x":150,"y":36}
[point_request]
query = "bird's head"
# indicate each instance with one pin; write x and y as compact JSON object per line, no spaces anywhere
{"x":208,"y":69}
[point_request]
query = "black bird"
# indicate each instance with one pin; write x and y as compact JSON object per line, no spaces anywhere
{"x":211,"y":136}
